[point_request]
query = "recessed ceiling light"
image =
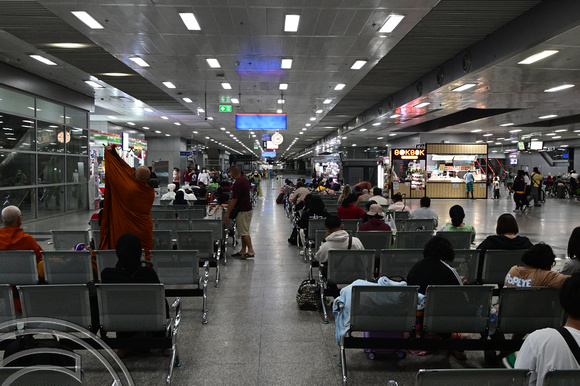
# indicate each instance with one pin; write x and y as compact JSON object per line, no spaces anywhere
{"x":550,"y":134}
{"x":226,"y":86}
{"x":235,"y":101}
{"x":358,"y":64}
{"x":392,"y":135}
{"x":286,"y":64}
{"x":327,"y":101}
{"x":564,"y":145}
{"x":227,"y":131}
{"x":291,"y":23}
{"x":93,"y":84}
{"x":190,"y":21}
{"x":168,"y":84}
{"x":140,"y":62}
{"x":283,"y":86}
{"x":44,"y":60}
{"x":279,"y":111}
{"x":164,"y":117}
{"x":213,"y":63}
{"x":363,"y":129}
{"x":168,"y":135}
{"x":507,"y":124}
{"x":281,"y":101}
{"x":177,"y":123}
{"x":395,"y":116}
{"x":476,"y":131}
{"x":354,"y":144}
{"x":304,"y":129}
{"x":498,"y":143}
{"x":131,"y":123}
{"x":87,"y":19}
{"x":318,"y":111}
{"x":149,"y":110}
{"x":68,"y":45}
{"x":308,"y":124}
{"x":539,"y":56}
{"x":391,"y":23}
{"x":560,"y":130}
{"x":195,"y":132}
{"x":206,"y":137}
{"x":339,"y":86}
{"x":488,"y":135}
{"x":210,"y":118}
{"x":380,"y":137}
{"x":515,"y":131}
{"x":479,"y":141}
{"x":222,"y":128}
{"x":312,"y":118}
{"x":111,"y":117}
{"x":419,"y":105}
{"x":344,"y":137}
{"x":548,"y":116}
{"x":557,"y":137}
{"x":145,"y":128}
{"x":301,"y":132}
{"x":200,"y":110}
{"x":464,"y":87}
{"x":157,"y":131}
{"x":187,"y":100}
{"x":559,"y":88}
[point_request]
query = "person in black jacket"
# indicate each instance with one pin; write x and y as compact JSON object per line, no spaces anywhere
{"x":519,"y":191}
{"x":434,"y":269}
{"x":506,"y":237}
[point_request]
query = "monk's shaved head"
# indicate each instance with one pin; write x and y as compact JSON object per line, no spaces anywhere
{"x":11,"y":216}
{"x":143,"y":174}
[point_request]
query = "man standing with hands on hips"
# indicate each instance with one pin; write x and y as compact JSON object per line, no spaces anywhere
{"x":241,"y":206}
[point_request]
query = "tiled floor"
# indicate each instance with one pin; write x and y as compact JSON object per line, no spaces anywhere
{"x":257,"y":336}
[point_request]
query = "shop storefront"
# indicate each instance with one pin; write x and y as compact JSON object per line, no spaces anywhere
{"x":327,"y":166}
{"x":408,"y":172}
{"x":447,"y":165}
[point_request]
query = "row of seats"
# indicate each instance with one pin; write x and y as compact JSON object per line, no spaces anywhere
{"x":448,"y":309}
{"x":121,"y":308}
{"x":173,"y":267}
{"x":485,"y":377}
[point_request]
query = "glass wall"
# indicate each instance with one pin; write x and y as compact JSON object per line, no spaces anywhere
{"x":44,"y":155}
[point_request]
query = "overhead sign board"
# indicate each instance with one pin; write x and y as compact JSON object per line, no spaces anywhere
{"x":410,"y":154}
{"x":225,"y":99}
{"x":270,"y":154}
{"x":225,"y":109}
{"x":184,"y":153}
{"x":261,"y":121}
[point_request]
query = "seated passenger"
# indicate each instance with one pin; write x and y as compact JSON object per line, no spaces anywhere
{"x":188,"y":194}
{"x":573,"y":265}
{"x":376,"y":219}
{"x":180,"y":198}
{"x":365,"y":196}
{"x":457,"y":225}
{"x":300,"y":192}
{"x":506,"y":237}
{"x":378,"y":197}
{"x":547,"y":348}
{"x":434,"y":269}
{"x":538,"y":260}
{"x":398,"y":204}
{"x":170,"y":195}
{"x":348,"y":209}
{"x":425,"y":213}
{"x":346,"y":191}
{"x":128,"y":268}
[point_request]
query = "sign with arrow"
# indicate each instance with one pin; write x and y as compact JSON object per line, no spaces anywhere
{"x":225,"y":109}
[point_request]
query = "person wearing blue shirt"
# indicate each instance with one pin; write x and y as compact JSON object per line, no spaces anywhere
{"x":469,"y":180}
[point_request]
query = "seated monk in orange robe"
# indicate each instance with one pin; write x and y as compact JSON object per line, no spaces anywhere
{"x":127,"y":204}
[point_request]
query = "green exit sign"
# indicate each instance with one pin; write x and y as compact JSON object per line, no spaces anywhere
{"x":225,"y":99}
{"x":225,"y":109}
{"x":255,"y":147}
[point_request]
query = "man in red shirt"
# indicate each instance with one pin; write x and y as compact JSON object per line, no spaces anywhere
{"x":241,"y":201}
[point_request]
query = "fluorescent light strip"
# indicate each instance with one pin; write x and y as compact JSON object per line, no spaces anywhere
{"x":548,"y":116}
{"x":327,"y":101}
{"x":391,"y":23}
{"x":476,"y":131}
{"x":168,"y":84}
{"x":190,"y":21}
{"x":226,"y":86}
{"x":358,"y":64}
{"x":515,"y":131}
{"x":507,"y":124}
{"x":213,"y":63}
{"x":286,"y":64}
{"x":559,"y":88}
{"x":464,"y":87}
{"x":283,"y":86}
{"x":339,"y":86}
{"x":318,"y":111}
{"x":139,"y":61}
{"x":87,"y":19}
{"x":539,"y":56}
{"x":44,"y":60}
{"x":291,"y":23}
{"x":187,"y":100}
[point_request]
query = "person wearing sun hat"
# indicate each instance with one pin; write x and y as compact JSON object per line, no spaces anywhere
{"x":376,"y":220}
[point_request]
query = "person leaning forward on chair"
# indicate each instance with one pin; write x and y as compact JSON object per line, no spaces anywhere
{"x":128,"y":203}
{"x":241,"y":201}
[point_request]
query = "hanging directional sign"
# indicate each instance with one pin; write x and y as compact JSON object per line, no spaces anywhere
{"x":225,"y":99}
{"x":225,"y":109}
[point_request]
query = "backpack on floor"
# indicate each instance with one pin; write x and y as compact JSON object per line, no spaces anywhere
{"x":308,"y":295}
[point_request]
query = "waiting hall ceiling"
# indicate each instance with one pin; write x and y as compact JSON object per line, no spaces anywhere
{"x":248,"y":40}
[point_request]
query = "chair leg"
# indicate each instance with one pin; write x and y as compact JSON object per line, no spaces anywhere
{"x":343,"y":363}
{"x":205,"y":281}
{"x":323,"y":303}
{"x":217,"y":275}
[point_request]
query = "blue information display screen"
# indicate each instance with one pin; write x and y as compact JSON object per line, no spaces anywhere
{"x":261,"y":121}
{"x":268,"y":154}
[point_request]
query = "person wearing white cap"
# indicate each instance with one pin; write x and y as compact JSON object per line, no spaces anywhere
{"x":376,"y":221}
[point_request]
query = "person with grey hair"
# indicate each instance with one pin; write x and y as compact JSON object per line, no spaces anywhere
{"x":242,"y":205}
{"x":12,"y":236}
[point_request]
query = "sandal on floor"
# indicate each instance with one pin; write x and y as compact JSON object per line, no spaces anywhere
{"x":238,"y":254}
{"x":248,"y":255}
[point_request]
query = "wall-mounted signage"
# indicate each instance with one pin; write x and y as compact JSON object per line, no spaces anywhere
{"x":410,"y":154}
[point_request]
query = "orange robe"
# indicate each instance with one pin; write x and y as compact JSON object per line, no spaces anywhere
{"x":127,"y":205}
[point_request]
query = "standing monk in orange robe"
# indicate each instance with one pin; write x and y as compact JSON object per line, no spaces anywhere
{"x":127,"y":204}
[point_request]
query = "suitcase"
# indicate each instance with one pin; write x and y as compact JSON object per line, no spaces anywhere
{"x":561,"y":191}
{"x":401,"y":354}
